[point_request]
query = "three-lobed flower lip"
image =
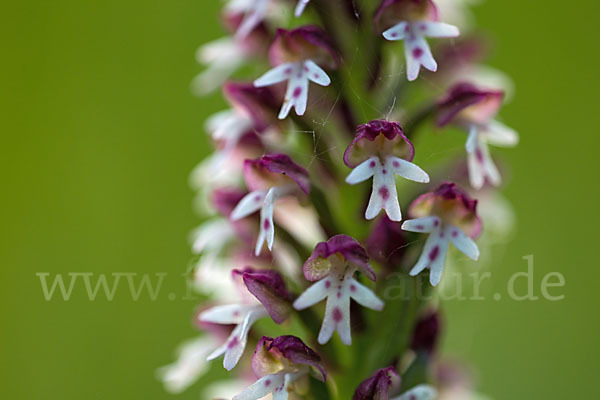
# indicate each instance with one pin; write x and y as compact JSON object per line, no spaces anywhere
{"x":452,"y":204}
{"x":267,"y":358}
{"x":275,"y":170}
{"x":465,"y":101}
{"x":319,"y":263}
{"x":390,"y":12}
{"x":378,"y":137}
{"x":303,"y":43}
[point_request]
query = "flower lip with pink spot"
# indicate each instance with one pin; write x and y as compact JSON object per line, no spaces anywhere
{"x":274,"y":170}
{"x":319,"y":265}
{"x":452,"y":204}
{"x":269,"y":352}
{"x":269,"y":288}
{"x":378,"y":137}
{"x":258,"y":103}
{"x":467,"y":103}
{"x":390,"y":12}
{"x":304,"y":43}
{"x":378,"y":385}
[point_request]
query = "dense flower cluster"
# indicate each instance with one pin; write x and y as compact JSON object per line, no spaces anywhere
{"x":295,"y":241}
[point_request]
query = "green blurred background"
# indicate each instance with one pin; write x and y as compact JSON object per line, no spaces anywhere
{"x":99,"y":133}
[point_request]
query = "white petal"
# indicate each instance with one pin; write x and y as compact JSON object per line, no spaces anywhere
{"x":267,"y":230}
{"x":489,"y":166}
{"x":407,"y":169}
{"x":463,"y":242}
{"x":413,"y":66}
{"x":226,"y":315}
{"x":421,"y":225}
{"x":236,"y":343}
{"x":300,"y":7}
{"x":190,"y":365}
{"x":433,"y":256}
{"x":296,"y":95}
{"x":396,"y":32}
{"x":253,"y":18}
{"x":249,"y":204}
{"x":261,"y":387}
{"x":437,"y":29}
{"x":364,"y":296}
{"x":420,"y":392}
{"x":337,"y":317}
{"x":316,"y":74}
{"x":278,"y":74}
{"x":384,"y":195}
{"x":472,"y":139}
{"x":476,"y":170}
{"x":499,"y":134}
{"x":313,"y":294}
{"x":363,"y":171}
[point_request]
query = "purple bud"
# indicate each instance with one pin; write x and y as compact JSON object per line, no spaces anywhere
{"x":378,"y":386}
{"x":426,"y":333}
{"x":225,"y":199}
{"x":378,"y":137}
{"x":269,"y":288}
{"x":259,"y":104}
{"x":319,"y":263}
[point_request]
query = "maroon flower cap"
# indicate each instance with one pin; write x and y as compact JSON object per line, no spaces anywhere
{"x":452,"y":205}
{"x":304,"y":43}
{"x":378,"y":137}
{"x":256,"y":41}
{"x":340,"y":249}
{"x":269,"y":288}
{"x":391,"y":12}
{"x":467,"y":103}
{"x":378,"y":386}
{"x":259,"y":104}
{"x":225,"y":199}
{"x":267,"y":358}
{"x":274,"y":170}
{"x":458,"y":54}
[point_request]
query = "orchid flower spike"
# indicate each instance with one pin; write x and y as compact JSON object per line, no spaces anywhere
{"x":296,"y":55}
{"x":332,"y":266}
{"x":281,"y":364}
{"x":270,"y":297}
{"x":449,"y":215}
{"x":269,"y":178}
{"x":473,"y":110}
{"x":413,"y":20}
{"x":381,"y":150}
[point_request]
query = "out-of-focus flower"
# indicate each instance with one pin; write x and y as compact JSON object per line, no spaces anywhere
{"x":332,"y":265}
{"x":378,"y":386}
{"x":269,"y":178}
{"x":449,"y":215}
{"x":420,"y":392}
{"x":224,"y":56}
{"x":280,"y":364}
{"x":381,"y":150}
{"x":426,"y":333}
{"x":270,"y":297}
{"x":457,"y":12}
{"x":190,"y":365}
{"x":413,"y":20}
{"x":473,"y":110}
{"x":296,"y":55}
